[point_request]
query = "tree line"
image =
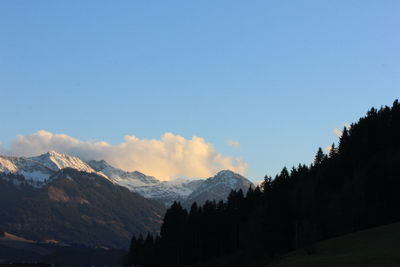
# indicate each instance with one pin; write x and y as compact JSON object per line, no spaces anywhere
{"x":354,"y":186}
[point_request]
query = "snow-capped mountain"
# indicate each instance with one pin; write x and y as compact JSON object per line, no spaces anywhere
{"x":218,"y":187}
{"x":39,"y":170}
{"x":33,"y":172}
{"x":57,"y":161}
{"x":93,"y":203}
{"x":148,"y":186}
{"x":169,"y":191}
{"x":76,"y":207}
{"x":130,"y":180}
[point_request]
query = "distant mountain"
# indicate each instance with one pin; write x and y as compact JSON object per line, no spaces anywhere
{"x":183,"y":190}
{"x":165,"y":192}
{"x":27,"y":170}
{"x":130,"y":180}
{"x":37,"y":170}
{"x":218,"y":187}
{"x":74,"y":207}
{"x":55,"y":196}
{"x":57,"y":161}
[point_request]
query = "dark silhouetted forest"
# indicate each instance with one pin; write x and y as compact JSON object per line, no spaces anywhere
{"x":353,"y":187}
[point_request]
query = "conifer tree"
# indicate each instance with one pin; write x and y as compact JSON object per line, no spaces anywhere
{"x":319,"y":157}
{"x":343,"y":140}
{"x":332,"y":151}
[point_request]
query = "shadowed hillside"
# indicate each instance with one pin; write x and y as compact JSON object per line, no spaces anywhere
{"x":77,"y":208}
{"x":379,"y":246}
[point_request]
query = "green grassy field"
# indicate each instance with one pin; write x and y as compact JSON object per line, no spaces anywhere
{"x":378,"y":246}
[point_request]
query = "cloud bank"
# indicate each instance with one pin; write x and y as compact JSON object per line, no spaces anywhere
{"x":166,"y":158}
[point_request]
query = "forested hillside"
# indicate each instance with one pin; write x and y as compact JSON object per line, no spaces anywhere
{"x":354,"y":187}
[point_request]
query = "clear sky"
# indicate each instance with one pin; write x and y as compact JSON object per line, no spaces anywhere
{"x":275,"y":76}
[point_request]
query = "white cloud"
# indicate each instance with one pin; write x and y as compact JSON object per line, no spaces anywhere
{"x":338,"y":132}
{"x":328,"y":149}
{"x":233,"y":143}
{"x":166,"y":158}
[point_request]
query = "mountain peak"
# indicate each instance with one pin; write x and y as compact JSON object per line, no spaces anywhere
{"x":37,"y":170}
{"x":218,"y":187}
{"x":57,"y":161}
{"x":53,"y":153}
{"x":50,"y":154}
{"x":225,"y":172}
{"x":228,"y":175}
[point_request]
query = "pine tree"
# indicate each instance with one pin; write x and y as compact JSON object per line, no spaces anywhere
{"x":332,"y":151}
{"x":319,"y":157}
{"x":284,"y":175}
{"x":343,"y":140}
{"x":266,"y":185}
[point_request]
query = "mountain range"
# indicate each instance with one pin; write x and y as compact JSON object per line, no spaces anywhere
{"x":62,"y":198}
{"x":36,"y":171}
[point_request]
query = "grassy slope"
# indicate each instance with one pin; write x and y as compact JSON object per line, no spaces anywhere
{"x":379,"y":246}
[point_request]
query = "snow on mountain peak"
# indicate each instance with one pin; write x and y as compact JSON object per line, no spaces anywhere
{"x":34,"y":172}
{"x":121,"y":177}
{"x":225,"y":173}
{"x":57,"y":161}
{"x":37,"y":170}
{"x":54,"y":153}
{"x":228,"y":176}
{"x":6,"y":165}
{"x":147,"y":186}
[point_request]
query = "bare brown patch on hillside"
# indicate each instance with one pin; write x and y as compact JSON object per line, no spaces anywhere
{"x":9,"y":236}
{"x":57,"y":194}
{"x":80,"y":200}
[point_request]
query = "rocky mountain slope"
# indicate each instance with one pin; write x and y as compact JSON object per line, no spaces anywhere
{"x":75,"y":207}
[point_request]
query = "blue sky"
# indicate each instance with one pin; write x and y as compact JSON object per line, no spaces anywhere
{"x":275,"y":76}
